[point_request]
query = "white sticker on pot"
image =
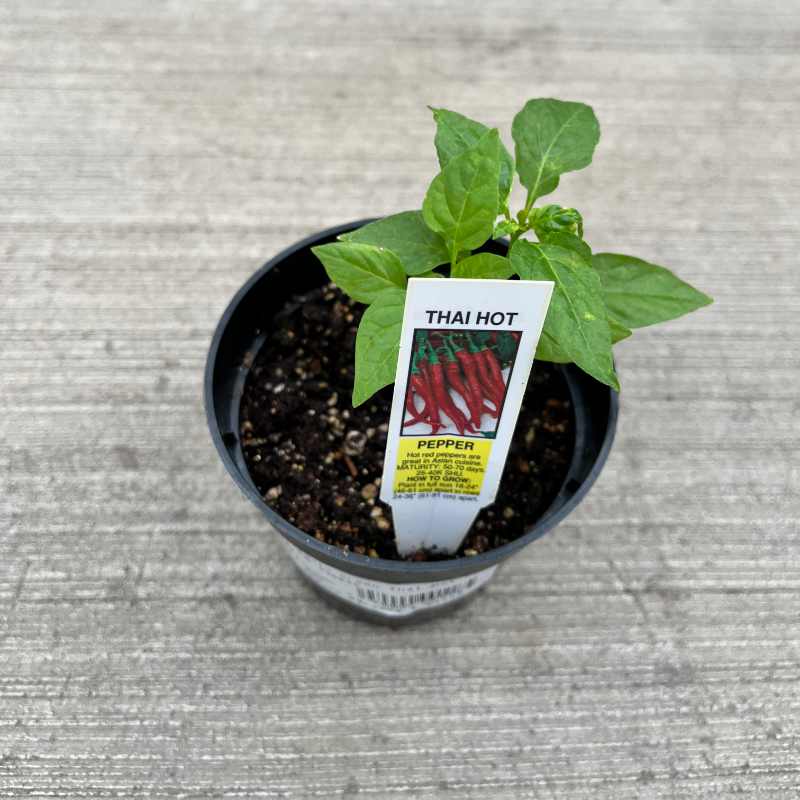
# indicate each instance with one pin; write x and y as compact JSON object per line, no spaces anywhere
{"x":388,"y":599}
{"x":466,"y":352}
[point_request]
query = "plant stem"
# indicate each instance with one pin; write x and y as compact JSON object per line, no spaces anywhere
{"x":529,"y":201}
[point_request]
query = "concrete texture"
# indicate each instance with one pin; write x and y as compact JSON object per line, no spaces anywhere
{"x":154,"y":640}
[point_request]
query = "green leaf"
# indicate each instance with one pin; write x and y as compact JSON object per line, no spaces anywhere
{"x":548,"y":350}
{"x":569,"y":241}
{"x":552,"y":137}
{"x":361,"y":270}
{"x":408,"y":237}
{"x":506,"y":227}
{"x":461,"y":202}
{"x":432,"y":274}
{"x":377,"y":344}
{"x":618,"y":330}
{"x":483,"y":265}
{"x":553,"y":218}
{"x":638,"y":293}
{"x":456,"y":133}
{"x":576,"y":320}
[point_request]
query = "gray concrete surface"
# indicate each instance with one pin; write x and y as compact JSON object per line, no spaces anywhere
{"x":154,"y":641}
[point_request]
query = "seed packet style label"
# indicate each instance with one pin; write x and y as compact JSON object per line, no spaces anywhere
{"x":391,"y":600}
{"x":466,"y":352}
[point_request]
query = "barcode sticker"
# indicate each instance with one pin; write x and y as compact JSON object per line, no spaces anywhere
{"x":389,"y":599}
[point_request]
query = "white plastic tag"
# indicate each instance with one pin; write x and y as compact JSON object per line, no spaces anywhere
{"x":466,"y":351}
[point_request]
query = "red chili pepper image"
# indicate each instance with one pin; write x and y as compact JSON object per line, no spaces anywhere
{"x":494,"y":391}
{"x":421,"y":385}
{"x":490,"y":411}
{"x":449,"y":367}
{"x":473,"y":400}
{"x":415,"y":416}
{"x":496,"y":374}
{"x":442,"y":396}
{"x":472,"y":383}
{"x":453,"y":372}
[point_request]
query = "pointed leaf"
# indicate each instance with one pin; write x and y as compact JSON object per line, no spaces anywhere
{"x":408,"y":237}
{"x":377,"y":344}
{"x":576,"y":319}
{"x":456,"y":133}
{"x":618,"y":330}
{"x":361,"y":270}
{"x":552,"y":137}
{"x":571,"y":242}
{"x":638,"y":293}
{"x":461,"y":202}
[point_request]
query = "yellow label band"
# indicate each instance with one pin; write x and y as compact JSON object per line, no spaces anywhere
{"x":441,"y":464}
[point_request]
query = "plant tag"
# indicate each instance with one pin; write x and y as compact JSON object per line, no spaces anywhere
{"x":466,"y":351}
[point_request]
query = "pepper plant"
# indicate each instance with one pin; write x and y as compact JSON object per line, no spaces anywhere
{"x":598,"y":298}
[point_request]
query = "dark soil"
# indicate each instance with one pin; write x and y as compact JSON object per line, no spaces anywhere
{"x":318,"y":462}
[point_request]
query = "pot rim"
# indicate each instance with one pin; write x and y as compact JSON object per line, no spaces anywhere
{"x":424,"y":570}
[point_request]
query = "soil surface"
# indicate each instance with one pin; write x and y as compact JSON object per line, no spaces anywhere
{"x":318,"y":462}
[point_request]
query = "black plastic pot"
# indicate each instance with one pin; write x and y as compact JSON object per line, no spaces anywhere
{"x":378,"y":589}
